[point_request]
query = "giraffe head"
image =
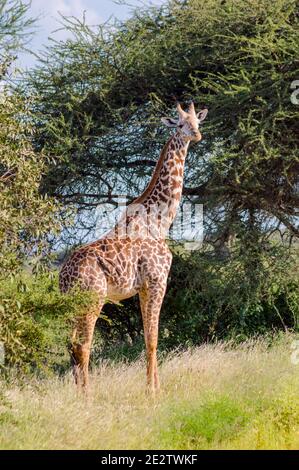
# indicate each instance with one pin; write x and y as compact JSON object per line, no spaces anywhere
{"x":187,"y":123}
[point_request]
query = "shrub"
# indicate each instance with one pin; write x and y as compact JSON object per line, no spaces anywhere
{"x":36,"y":320}
{"x":209,"y":298}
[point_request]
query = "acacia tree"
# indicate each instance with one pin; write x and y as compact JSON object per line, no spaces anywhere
{"x":100,"y":95}
{"x":15,"y":31}
{"x":26,"y":216}
{"x":93,"y":106}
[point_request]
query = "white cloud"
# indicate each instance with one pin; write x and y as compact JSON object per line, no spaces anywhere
{"x":48,"y":13}
{"x":49,"y":20}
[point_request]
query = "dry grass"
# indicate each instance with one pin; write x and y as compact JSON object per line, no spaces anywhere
{"x":213,"y":397}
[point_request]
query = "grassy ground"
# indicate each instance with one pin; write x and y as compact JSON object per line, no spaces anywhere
{"x":213,"y":397}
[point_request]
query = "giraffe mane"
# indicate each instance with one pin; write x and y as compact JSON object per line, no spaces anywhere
{"x":155,"y":175}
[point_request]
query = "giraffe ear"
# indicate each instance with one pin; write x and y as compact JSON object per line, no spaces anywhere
{"x":202,"y":115}
{"x":169,"y":122}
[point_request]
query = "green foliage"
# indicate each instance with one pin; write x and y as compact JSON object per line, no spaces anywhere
{"x":36,"y":321}
{"x":215,"y":421}
{"x":208,"y":298}
{"x":87,"y":130}
{"x":15,"y":31}
{"x":238,"y":297}
{"x":100,"y":94}
{"x":27,"y":218}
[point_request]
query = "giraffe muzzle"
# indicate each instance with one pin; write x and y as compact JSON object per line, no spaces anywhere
{"x":196,"y":136}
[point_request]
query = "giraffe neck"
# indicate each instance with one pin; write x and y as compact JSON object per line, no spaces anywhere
{"x":164,"y":190}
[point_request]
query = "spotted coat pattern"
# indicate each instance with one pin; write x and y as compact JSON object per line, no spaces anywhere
{"x":117,"y":267}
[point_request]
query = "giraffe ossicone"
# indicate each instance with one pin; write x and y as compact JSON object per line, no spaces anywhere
{"x":133,"y":258}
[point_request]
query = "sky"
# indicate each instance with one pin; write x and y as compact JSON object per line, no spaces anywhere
{"x":47,"y":11}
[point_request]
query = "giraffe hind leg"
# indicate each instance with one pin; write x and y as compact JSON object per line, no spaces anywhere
{"x":81,"y":344}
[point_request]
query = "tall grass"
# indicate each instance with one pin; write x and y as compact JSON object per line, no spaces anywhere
{"x":213,"y":397}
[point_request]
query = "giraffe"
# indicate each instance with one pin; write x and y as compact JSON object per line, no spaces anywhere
{"x":133,"y":258}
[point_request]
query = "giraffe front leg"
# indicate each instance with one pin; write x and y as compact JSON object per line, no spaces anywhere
{"x":151,"y":298}
{"x":153,"y":383}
